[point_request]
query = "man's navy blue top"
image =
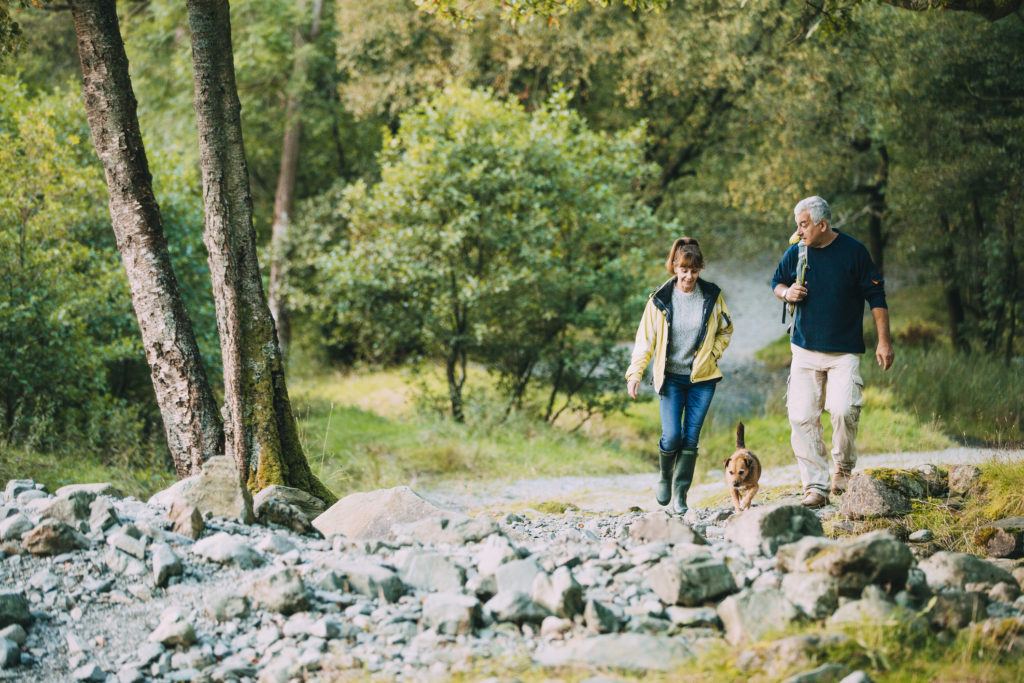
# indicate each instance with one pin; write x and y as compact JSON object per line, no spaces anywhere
{"x":840,"y":278}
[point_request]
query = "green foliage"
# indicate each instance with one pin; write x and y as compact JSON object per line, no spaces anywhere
{"x":265,"y":44}
{"x":72,"y":369}
{"x":973,"y":398}
{"x":497,"y":236}
{"x":62,"y":294}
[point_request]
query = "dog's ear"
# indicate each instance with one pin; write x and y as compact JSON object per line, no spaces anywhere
{"x":725,"y":463}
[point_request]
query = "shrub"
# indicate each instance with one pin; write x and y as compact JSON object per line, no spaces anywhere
{"x":498,"y":236}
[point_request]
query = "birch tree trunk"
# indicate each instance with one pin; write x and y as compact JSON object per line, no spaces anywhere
{"x":261,"y":433}
{"x":191,"y":419}
{"x":284,"y":197}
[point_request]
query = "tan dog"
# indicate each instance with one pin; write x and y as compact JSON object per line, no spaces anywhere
{"x":742,"y":472}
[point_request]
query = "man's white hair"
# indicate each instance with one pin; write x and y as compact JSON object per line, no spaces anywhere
{"x":817,"y":207}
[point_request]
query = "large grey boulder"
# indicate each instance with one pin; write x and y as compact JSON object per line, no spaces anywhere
{"x":816,"y":594}
{"x":662,"y":527}
{"x":882,"y":492}
{"x":98,"y":489}
{"x":876,"y":557}
{"x":433,"y":572}
{"x":447,"y":530}
{"x":373,"y":514}
{"x":496,"y":550}
{"x":873,"y":607}
{"x":52,"y":537}
{"x":599,"y":618}
{"x":451,"y":613}
{"x":518,"y":576}
{"x":633,"y":652}
{"x":518,"y":608}
{"x":224,"y":548}
{"x":955,"y":609}
{"x":796,"y":557}
{"x":764,"y":528}
{"x":217,"y":490}
{"x":16,"y":487}
{"x":754,"y":612}
{"x":690,"y":581}
{"x":14,"y":527}
{"x":72,"y":508}
{"x":559,"y":592}
{"x":281,"y":591}
{"x":1002,"y":538}
{"x":964,"y":480}
{"x":14,"y":609}
{"x":957,"y":570}
{"x":10,"y":654}
{"x":936,"y":480}
{"x":308,"y":504}
{"x":366,"y":578}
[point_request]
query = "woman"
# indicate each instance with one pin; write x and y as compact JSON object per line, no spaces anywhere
{"x":686,"y":327}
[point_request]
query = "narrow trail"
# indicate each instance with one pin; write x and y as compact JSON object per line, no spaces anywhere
{"x":757,"y":319}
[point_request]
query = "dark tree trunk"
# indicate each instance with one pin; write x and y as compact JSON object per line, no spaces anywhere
{"x":876,"y":210}
{"x":284,"y":197}
{"x":950,"y":289}
{"x":261,"y":433}
{"x":191,"y":419}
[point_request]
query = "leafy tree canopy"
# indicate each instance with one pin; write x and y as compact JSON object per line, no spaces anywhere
{"x":500,"y":236}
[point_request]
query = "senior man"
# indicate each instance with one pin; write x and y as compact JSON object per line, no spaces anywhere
{"x":828,"y":337}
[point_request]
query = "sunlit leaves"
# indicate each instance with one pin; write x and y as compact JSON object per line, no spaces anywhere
{"x":508,"y":236}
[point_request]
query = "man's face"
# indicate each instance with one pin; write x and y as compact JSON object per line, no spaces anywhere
{"x":810,"y":234}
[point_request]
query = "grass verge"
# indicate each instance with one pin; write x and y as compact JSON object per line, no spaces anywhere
{"x":56,"y":470}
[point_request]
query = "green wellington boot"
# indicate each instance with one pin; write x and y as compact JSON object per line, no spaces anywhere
{"x":682,"y":477}
{"x":667,"y":461}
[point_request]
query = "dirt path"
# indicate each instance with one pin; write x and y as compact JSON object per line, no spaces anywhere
{"x":757,"y":318}
{"x":619,"y":493}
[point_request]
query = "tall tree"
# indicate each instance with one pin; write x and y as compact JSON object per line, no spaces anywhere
{"x":261,"y":433}
{"x":284,"y":198}
{"x":191,"y":420}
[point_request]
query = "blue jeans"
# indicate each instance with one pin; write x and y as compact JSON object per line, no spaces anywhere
{"x":680,"y":396}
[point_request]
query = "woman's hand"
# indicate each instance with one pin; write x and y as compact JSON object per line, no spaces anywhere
{"x":633,"y":387}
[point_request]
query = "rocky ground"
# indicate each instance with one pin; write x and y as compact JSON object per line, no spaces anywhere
{"x":97,"y":587}
{"x":203,"y":584}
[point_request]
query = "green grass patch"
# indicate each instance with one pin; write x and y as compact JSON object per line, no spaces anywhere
{"x":354,"y":448}
{"x":55,"y":471}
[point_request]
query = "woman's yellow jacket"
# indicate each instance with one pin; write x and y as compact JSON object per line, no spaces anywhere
{"x":653,"y":334}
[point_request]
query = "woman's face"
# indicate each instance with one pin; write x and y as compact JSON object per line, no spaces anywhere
{"x":686,"y":277}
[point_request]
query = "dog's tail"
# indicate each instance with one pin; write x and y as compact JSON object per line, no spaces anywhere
{"x":739,"y":436}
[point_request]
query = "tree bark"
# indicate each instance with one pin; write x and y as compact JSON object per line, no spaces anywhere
{"x":191,"y":419}
{"x":950,"y":288}
{"x":261,"y":433}
{"x":284,"y":197}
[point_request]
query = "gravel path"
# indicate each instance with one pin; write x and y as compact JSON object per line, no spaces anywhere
{"x":619,"y":493}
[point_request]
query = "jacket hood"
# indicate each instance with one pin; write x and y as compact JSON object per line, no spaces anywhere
{"x":663,"y":295}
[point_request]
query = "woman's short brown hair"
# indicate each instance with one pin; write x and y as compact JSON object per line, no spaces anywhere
{"x":685,"y":252}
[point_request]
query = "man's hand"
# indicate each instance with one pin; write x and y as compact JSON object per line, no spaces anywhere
{"x":883,"y":352}
{"x":884,"y":355}
{"x":796,"y":293}
{"x":793,"y":294}
{"x":633,"y":387}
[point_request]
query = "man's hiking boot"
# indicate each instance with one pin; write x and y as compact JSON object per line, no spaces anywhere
{"x":840,"y":481}
{"x":814,"y":500}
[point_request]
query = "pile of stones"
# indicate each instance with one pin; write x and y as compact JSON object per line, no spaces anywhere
{"x":204,"y":583}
